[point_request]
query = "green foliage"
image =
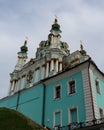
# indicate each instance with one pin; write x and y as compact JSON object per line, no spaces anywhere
{"x":13,"y":120}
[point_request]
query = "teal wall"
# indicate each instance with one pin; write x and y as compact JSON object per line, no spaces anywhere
{"x":99,"y":97}
{"x":31,"y":101}
{"x":66,"y":101}
{"x":9,"y":102}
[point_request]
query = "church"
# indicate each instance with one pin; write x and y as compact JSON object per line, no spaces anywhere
{"x":57,"y":88}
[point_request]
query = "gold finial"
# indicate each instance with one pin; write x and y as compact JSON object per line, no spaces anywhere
{"x":26,"y":39}
{"x":55,"y":19}
{"x":81,"y":46}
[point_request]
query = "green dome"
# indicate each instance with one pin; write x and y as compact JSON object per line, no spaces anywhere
{"x":24,"y":48}
{"x":83,"y":52}
{"x":56,"y":26}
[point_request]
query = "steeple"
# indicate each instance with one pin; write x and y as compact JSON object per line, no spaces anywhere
{"x":24,"y":48}
{"x":55,"y":28}
{"x":82,"y":51}
{"x":22,"y":56}
{"x":53,"y":43}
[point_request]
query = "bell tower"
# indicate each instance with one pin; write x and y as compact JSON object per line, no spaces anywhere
{"x":55,"y":34}
{"x":22,"y":56}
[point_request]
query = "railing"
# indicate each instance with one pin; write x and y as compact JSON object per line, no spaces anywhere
{"x":76,"y":125}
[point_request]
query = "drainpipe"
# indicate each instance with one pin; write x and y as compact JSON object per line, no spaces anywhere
{"x":18,"y":100}
{"x":91,"y":91}
{"x":43,"y":108}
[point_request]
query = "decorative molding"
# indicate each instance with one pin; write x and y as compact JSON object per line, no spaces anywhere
{"x":68,"y":90}
{"x":93,"y":94}
{"x":44,"y":65}
{"x":54,"y":117}
{"x":23,"y":75}
{"x":87,"y":95}
{"x":37,"y":68}
{"x":31,"y":62}
{"x":69,"y":114}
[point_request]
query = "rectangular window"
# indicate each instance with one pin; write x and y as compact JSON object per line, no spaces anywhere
{"x":57,"y":120}
{"x":57,"y":92}
{"x":101,"y":113}
{"x":73,"y":115}
{"x":72,"y":87}
{"x":97,"y":86}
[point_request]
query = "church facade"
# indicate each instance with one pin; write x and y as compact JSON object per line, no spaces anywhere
{"x":56,"y":88}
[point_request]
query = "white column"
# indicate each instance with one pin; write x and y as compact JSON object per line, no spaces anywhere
{"x":56,"y":65}
{"x":52,"y":65}
{"x":47,"y":69}
{"x":23,"y":81}
{"x":43,"y":72}
{"x":12,"y":87}
{"x":16,"y":86}
{"x":60,"y":67}
{"x":52,"y":39}
{"x":36,"y":75}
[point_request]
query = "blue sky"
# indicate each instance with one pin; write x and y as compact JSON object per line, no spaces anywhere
{"x":79,"y":20}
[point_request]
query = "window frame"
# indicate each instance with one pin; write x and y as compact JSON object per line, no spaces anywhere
{"x":55,"y":95}
{"x":69,"y":90}
{"x":97,"y":85}
{"x":54,"y":118}
{"x":101,"y":112}
{"x":69,"y":113}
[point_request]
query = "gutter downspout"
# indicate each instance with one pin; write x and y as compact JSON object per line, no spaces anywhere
{"x":91,"y":91}
{"x":18,"y":100}
{"x":43,"y":108}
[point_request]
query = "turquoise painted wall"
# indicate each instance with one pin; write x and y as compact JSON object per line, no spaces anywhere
{"x":30,"y":103}
{"x":99,"y":97}
{"x":9,"y":102}
{"x":66,"y":101}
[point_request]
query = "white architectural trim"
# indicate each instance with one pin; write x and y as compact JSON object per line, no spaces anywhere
{"x":16,"y":86}
{"x":12,"y":86}
{"x":54,"y":117}
{"x":43,"y":72}
{"x":36,"y":75}
{"x":68,"y":91}
{"x":57,"y":65}
{"x":87,"y":95}
{"x":47,"y":69}
{"x":22,"y":82}
{"x":52,"y":65}
{"x":55,"y":91}
{"x":69,"y":113}
{"x":60,"y":67}
{"x":94,"y":94}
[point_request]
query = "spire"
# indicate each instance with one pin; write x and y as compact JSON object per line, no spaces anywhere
{"x":55,"y":26}
{"x":22,"y":56}
{"x":81,"y":46}
{"x":24,"y":48}
{"x":83,"y":52}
